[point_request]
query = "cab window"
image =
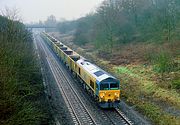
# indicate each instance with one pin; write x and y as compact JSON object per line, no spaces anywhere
{"x":104,"y":87}
{"x":114,"y":86}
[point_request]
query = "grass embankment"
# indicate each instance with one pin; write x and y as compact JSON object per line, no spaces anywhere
{"x":150,"y":81}
{"x":146,"y":95}
{"x":22,"y":99}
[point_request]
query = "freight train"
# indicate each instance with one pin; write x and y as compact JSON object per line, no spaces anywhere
{"x":104,"y":88}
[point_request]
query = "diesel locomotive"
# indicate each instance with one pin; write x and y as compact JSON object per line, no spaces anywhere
{"x":103,"y":87}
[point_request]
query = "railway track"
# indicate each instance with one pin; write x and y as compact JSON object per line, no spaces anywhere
{"x":78,"y":110}
{"x":116,"y":117}
{"x":125,"y":120}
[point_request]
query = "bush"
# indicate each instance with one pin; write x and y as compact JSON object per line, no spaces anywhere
{"x":163,"y":62}
{"x":176,"y":83}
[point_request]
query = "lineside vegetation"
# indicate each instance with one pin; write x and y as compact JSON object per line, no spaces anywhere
{"x":22,"y":100}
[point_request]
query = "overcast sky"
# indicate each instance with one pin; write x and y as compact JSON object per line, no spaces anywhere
{"x":35,"y":10}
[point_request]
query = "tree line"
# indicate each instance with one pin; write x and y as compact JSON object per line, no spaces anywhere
{"x":124,"y":21}
{"x":119,"y":22}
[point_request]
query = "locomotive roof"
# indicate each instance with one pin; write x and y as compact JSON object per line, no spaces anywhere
{"x":94,"y":70}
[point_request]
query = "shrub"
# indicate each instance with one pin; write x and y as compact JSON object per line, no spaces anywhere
{"x":163,"y":62}
{"x":176,"y":83}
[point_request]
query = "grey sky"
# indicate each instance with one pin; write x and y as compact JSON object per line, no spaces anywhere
{"x":35,"y":10}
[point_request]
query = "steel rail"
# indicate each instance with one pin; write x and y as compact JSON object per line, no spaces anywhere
{"x":126,"y":120}
{"x":66,"y":99}
{"x":59,"y":75}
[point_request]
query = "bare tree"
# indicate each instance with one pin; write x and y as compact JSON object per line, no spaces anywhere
{"x":51,"y":22}
{"x":12,"y":15}
{"x":108,"y":12}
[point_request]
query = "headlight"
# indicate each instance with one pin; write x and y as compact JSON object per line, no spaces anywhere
{"x":101,"y":95}
{"x":116,"y":94}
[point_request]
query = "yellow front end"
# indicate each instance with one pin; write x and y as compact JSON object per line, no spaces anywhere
{"x":109,"y":98}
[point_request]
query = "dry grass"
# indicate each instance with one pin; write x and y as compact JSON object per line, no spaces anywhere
{"x":140,"y":91}
{"x":150,"y":87}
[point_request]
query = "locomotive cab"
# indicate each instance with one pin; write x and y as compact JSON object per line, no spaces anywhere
{"x":109,"y":93}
